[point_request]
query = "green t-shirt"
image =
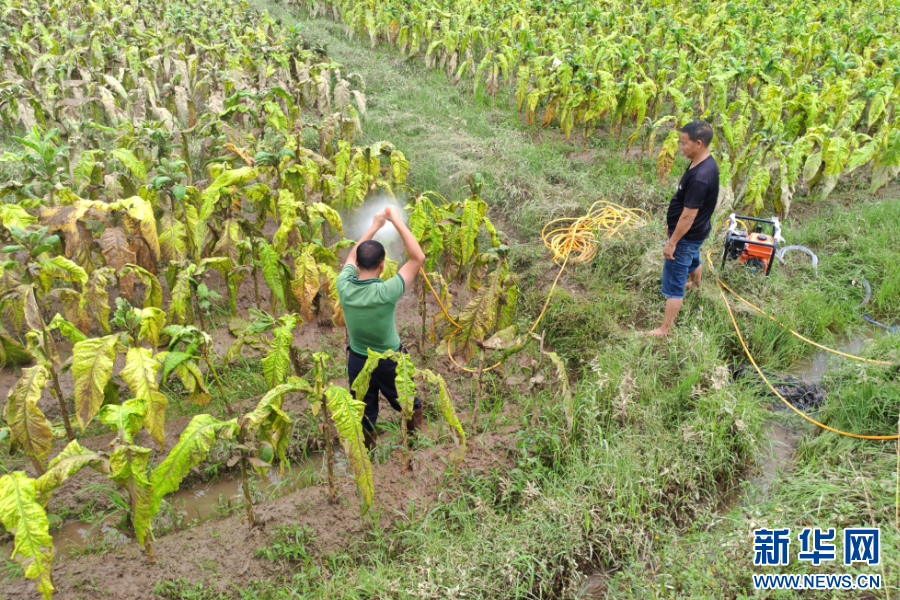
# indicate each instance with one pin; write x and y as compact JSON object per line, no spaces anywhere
{"x":370,"y":310}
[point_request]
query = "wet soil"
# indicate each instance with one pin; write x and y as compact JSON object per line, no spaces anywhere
{"x":220,"y":552}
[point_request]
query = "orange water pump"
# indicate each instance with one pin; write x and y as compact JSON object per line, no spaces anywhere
{"x":755,"y":249}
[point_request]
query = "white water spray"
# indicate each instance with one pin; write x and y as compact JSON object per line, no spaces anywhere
{"x":358,"y":222}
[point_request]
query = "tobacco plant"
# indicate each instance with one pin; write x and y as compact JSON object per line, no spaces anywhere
{"x":796,"y":97}
{"x":407,"y":376}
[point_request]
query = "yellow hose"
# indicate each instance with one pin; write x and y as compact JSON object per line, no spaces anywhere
{"x":737,"y":330}
{"x":577,"y":242}
{"x":574,"y":242}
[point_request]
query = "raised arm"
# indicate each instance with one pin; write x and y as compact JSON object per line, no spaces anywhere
{"x":377,"y":223}
{"x":410,"y":243}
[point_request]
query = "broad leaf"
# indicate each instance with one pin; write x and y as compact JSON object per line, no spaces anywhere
{"x":92,"y":367}
{"x":277,"y":361}
{"x":191,"y":449}
{"x":67,"y":329}
{"x":128,"y":468}
{"x":447,"y":410}
{"x":152,"y":322}
{"x":125,"y":419}
{"x":20,"y":512}
{"x":28,"y":426}
{"x":305,"y":284}
{"x":140,"y":373}
{"x":153,"y":296}
{"x":72,"y":459}
{"x":347,"y":412}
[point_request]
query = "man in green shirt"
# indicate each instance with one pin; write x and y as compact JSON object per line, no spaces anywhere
{"x":370,"y":311}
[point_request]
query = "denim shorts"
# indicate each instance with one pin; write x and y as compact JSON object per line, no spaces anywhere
{"x":675,"y":272}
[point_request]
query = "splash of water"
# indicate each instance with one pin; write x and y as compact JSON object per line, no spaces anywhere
{"x":358,"y":222}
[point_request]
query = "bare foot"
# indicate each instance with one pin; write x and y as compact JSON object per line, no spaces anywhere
{"x":659,"y":332}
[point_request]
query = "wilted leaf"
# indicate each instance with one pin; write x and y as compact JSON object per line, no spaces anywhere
{"x":28,"y":426}
{"x":92,"y":366}
{"x":20,"y":512}
{"x":347,"y":412}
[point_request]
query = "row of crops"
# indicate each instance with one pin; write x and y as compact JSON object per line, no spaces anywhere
{"x":166,"y":150}
{"x":798,"y":93}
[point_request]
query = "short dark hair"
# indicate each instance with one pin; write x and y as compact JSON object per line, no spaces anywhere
{"x":369,"y":255}
{"x":699,"y":130}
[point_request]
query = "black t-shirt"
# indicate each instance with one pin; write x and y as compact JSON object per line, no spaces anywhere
{"x":698,"y":188}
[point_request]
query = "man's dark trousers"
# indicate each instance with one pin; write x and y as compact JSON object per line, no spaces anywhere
{"x":383,"y":379}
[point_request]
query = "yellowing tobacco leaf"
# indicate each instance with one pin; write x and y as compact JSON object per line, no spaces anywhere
{"x":347,"y":412}
{"x":191,"y":449}
{"x":305,"y":284}
{"x":20,"y":512}
{"x":29,"y":428}
{"x":92,"y":367}
{"x":125,"y":419}
{"x":72,"y":459}
{"x":140,"y":373}
{"x":128,"y":468}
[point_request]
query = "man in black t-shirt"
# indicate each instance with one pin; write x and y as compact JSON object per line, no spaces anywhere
{"x":688,"y":220}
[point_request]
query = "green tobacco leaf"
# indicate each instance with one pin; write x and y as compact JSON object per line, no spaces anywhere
{"x":277,"y":361}
{"x":568,"y":402}
{"x":140,"y":373}
{"x":445,"y":405}
{"x":181,"y":306}
{"x":125,"y":419}
{"x":191,"y":449}
{"x":210,"y":195}
{"x":20,"y":512}
{"x":193,"y":380}
{"x":67,"y":329}
{"x":347,"y":412}
{"x":270,"y":423}
{"x":330,"y":215}
{"x":272,"y":270}
{"x":92,"y":367}
{"x":28,"y":426}
{"x":362,"y":381}
{"x":153,"y":295}
{"x":72,"y":459}
{"x":172,"y":239}
{"x":11,"y":351}
{"x":399,"y":168}
{"x":464,"y":245}
{"x":406,"y":386}
{"x":128,"y":468}
{"x":508,"y":307}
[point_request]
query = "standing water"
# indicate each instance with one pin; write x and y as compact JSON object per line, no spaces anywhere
{"x":200,"y":502}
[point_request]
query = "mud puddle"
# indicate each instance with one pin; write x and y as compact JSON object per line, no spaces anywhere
{"x":595,"y":587}
{"x":193,"y":504}
{"x":812,"y":369}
